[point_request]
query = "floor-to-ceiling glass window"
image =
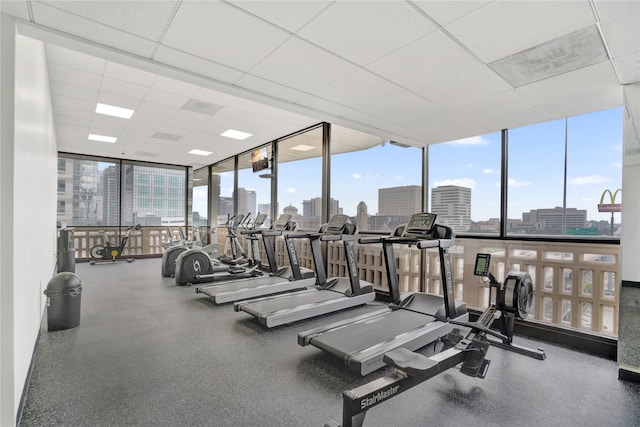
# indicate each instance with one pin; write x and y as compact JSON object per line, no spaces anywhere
{"x":153,"y":196}
{"x":300,"y":178}
{"x":464,"y":181}
{"x":560,"y":170}
{"x":222,"y":181}
{"x":88,"y":192}
{"x":200,"y":200}
{"x":375,"y":181}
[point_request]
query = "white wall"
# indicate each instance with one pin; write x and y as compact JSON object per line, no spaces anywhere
{"x":629,"y":334}
{"x":28,"y":212}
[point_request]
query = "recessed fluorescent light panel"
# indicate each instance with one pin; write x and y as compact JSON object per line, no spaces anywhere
{"x":110,"y":110}
{"x":102,"y":138}
{"x":302,"y":147}
{"x":200,"y":152}
{"x":236,"y":134}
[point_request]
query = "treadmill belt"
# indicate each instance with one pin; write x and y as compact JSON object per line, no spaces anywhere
{"x":369,"y":332}
{"x":290,"y":301}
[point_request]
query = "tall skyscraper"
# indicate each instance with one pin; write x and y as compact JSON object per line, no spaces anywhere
{"x":247,"y":201}
{"x":452,"y":204}
{"x":110,"y":190}
{"x":362,"y":219}
{"x":400,"y":201}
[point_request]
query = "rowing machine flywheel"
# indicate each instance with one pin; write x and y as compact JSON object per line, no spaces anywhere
{"x":516,"y":294}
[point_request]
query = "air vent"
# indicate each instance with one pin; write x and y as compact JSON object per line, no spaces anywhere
{"x":145,"y":154}
{"x":166,"y":136}
{"x":567,"y":53}
{"x":203,"y":107}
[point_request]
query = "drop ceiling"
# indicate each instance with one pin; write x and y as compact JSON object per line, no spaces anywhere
{"x":417,"y":72}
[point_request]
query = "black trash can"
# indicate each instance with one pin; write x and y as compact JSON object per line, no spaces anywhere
{"x":66,"y":250}
{"x":63,"y":301}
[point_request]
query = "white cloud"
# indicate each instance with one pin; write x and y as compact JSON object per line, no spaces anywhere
{"x":489,"y":171}
{"x":591,"y":179}
{"x":474,"y":140}
{"x":356,"y":175}
{"x":398,"y":178}
{"x":460,"y":182}
{"x":291,"y":190}
{"x":515,"y":183}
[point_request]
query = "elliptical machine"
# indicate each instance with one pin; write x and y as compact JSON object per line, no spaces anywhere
{"x":195,"y":266}
{"x":110,"y":253}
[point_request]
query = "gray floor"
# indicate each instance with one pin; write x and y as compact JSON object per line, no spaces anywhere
{"x":150,"y":353}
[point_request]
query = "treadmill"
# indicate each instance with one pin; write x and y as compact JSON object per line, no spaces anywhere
{"x":281,"y":279}
{"x":328,"y":296}
{"x":412,"y":320}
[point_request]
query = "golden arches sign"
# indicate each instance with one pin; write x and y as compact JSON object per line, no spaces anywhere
{"x":612,"y":206}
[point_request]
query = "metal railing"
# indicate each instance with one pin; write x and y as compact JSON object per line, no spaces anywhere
{"x":576,"y":285}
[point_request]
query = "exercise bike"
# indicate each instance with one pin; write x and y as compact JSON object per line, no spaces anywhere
{"x":110,"y":253}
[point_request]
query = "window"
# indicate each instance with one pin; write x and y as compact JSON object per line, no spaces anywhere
{"x":148,"y":199}
{"x":376,"y":182}
{"x":91,"y":189}
{"x":464,"y":180}
{"x":547,"y":198}
{"x":200,"y":211}
{"x":222,"y":181}
{"x":300,"y":178}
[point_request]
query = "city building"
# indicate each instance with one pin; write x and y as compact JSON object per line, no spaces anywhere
{"x":399,"y":201}
{"x":554,"y":219}
{"x":452,"y":204}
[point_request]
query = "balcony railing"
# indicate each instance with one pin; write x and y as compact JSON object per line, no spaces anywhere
{"x":576,"y":285}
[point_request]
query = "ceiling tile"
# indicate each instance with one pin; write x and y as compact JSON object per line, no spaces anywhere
{"x":166,"y":99}
{"x":445,"y":12}
{"x":175,"y":86}
{"x":569,"y":85}
{"x":203,"y":29}
{"x":120,"y":87}
{"x":290,"y":15}
{"x":359,"y":89}
{"x":128,"y":74}
{"x":146,"y":18}
{"x":622,"y":32}
{"x":302,"y":66}
{"x":271,"y":89}
{"x":91,"y":30}
{"x":15,"y":8}
{"x":423,"y":64}
{"x":75,"y":60}
{"x":73,"y":91}
{"x":629,"y":68}
{"x":582,"y":103}
{"x":364,"y":34}
{"x":516,"y":26}
{"x":195,"y":64}
{"x":74,"y":77}
{"x":608,"y":8}
{"x":215,"y":97}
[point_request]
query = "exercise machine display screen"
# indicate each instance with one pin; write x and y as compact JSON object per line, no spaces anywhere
{"x":482,"y":265}
{"x":282,"y":221}
{"x":337,"y":222}
{"x":421,"y":223}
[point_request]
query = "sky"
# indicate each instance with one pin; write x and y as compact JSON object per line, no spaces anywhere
{"x":536,"y":170}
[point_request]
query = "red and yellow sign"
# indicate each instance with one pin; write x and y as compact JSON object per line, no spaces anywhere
{"x":609,"y":207}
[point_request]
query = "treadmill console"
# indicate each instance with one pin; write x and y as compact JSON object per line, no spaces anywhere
{"x":420,"y":224}
{"x":482,"y":265}
{"x":336,"y":224}
{"x":281,"y":222}
{"x":259,"y":220}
